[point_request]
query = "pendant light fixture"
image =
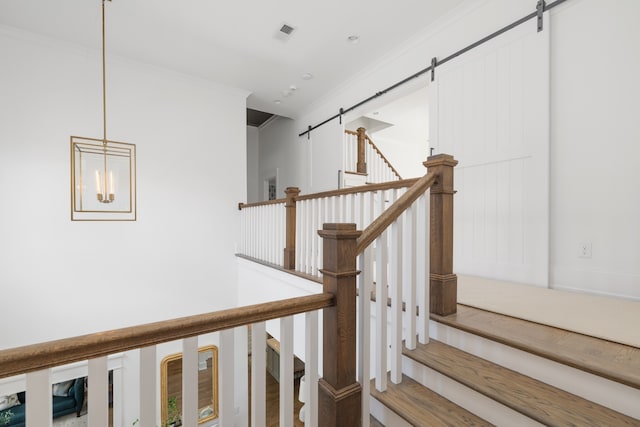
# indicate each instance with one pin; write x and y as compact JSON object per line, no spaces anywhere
{"x":109,"y":164}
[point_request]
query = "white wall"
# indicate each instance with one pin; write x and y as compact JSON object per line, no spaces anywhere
{"x":591,"y":113}
{"x":259,"y":284}
{"x":593,"y":116}
{"x":281,"y":155}
{"x":83,"y":277}
{"x":253,"y":164}
{"x":61,"y":278}
{"x":324,"y":158}
{"x":595,"y":155}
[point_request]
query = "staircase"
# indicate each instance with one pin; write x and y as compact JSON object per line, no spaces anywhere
{"x":473,"y":367}
{"x":363,"y":162}
{"x":483,"y":368}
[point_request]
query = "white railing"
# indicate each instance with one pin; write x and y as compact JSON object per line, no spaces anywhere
{"x":359,"y":207}
{"x":41,"y":366}
{"x":378,"y":168}
{"x":350,"y":152}
{"x":393,"y":261}
{"x":262,"y":231}
{"x":396,"y":267}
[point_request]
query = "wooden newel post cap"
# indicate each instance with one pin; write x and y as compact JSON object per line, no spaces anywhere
{"x":440,"y":160}
{"x":292,"y":193}
{"x":442,"y":164}
{"x":339,"y":231}
{"x":292,"y":190}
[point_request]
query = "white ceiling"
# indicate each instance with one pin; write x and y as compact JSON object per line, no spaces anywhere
{"x":234,"y":43}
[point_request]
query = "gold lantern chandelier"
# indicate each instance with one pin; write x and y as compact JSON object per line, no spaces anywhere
{"x":110,"y":165}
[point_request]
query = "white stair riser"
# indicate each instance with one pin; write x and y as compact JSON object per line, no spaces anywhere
{"x":477,"y":403}
{"x":611,"y":394}
{"x":385,"y":415}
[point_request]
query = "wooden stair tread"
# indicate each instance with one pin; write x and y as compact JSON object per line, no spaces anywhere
{"x":535,"y":399}
{"x":422,"y":407}
{"x":614,"y":361}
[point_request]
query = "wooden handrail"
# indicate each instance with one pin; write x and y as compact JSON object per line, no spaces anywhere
{"x":361,"y":189}
{"x":35,"y":357}
{"x":265,"y":203}
{"x":394,"y":211}
{"x":402,"y":183}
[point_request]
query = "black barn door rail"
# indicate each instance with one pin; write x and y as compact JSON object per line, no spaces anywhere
{"x":541,"y":7}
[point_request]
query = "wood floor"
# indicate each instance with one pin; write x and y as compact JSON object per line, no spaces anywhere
{"x":273,"y":403}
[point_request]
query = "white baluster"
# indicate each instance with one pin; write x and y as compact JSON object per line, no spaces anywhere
{"x":353,"y":218}
{"x":304,"y":232}
{"x":283,"y":232}
{"x":311,"y":369}
{"x":98,"y":390}
{"x":286,"y":371}
{"x":241,"y":361}
{"x":260,"y":238}
{"x":242,"y":234}
{"x":268,"y":243}
{"x":319,"y":225}
{"x":249,"y":232}
{"x":258,"y":375}
{"x":118,"y":404}
{"x":422,"y":266}
{"x":148,"y":366}
{"x":395,"y":289}
{"x":310,"y":236}
{"x":381,"y":305}
{"x":364,"y":330}
{"x":257,"y":230}
{"x":190,"y":381}
{"x":254,"y":237}
{"x":39,"y":409}
{"x":226,"y":379}
{"x":314,"y":236}
{"x":409,"y":275}
{"x":299,"y":231}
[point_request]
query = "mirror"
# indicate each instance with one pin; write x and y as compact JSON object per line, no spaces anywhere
{"x":171,"y":387}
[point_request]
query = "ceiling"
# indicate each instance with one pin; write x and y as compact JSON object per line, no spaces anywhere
{"x":235,"y":42}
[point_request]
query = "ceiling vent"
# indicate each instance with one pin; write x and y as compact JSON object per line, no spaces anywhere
{"x":285,"y":31}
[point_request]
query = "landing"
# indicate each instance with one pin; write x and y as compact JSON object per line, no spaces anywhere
{"x":612,"y":319}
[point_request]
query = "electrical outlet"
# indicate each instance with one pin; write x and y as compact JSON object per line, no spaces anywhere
{"x":584,"y":250}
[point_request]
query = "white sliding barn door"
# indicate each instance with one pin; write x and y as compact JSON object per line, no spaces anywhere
{"x":490,"y":109}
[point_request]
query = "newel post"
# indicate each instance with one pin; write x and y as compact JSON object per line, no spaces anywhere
{"x":361,"y":166}
{"x":443,"y":283}
{"x":339,"y":394}
{"x":290,"y":236}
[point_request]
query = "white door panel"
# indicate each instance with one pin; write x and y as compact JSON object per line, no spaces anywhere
{"x":490,"y":110}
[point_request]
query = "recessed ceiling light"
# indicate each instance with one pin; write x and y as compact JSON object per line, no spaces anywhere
{"x":306,"y":76}
{"x":277,"y":101}
{"x":353,"y":39}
